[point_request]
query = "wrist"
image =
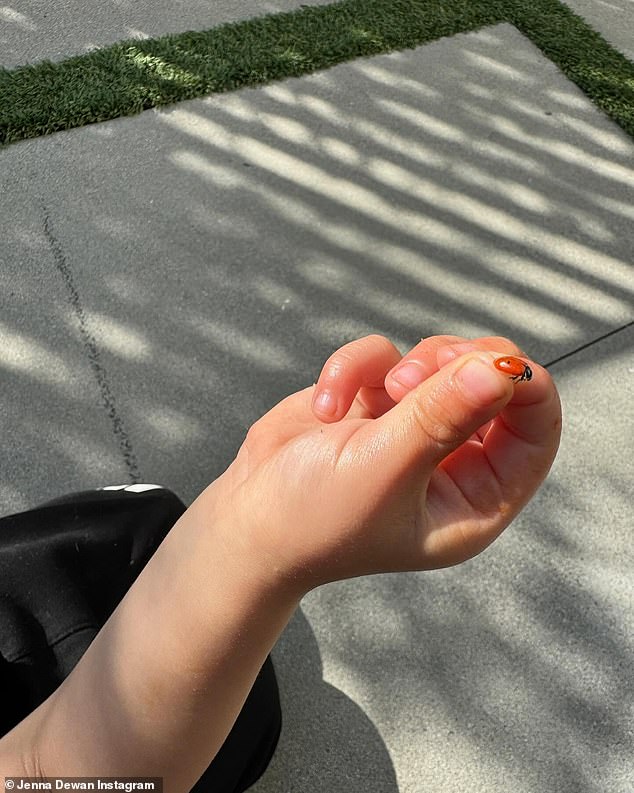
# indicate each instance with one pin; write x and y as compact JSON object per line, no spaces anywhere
{"x":211,"y":593}
{"x":170,"y":670}
{"x":228,"y":543}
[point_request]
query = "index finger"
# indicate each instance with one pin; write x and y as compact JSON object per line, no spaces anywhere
{"x":430,"y":354}
{"x":355,"y":371}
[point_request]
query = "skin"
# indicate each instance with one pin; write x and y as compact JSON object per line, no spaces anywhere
{"x":393,"y":477}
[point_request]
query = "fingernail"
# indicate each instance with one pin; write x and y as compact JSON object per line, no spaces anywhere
{"x":326,"y":403}
{"x":409,"y":375}
{"x":480,"y":380}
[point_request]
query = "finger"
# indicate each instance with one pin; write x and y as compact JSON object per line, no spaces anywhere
{"x":474,"y":488}
{"x":450,"y":352}
{"x":523,"y":440}
{"x":491,"y":481}
{"x":424,"y":360}
{"x":417,"y":365}
{"x":357,"y":368}
{"x":445,"y":411}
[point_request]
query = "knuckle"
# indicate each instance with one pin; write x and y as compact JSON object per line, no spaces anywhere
{"x":254,"y":434}
{"x":503,"y":344}
{"x":374,"y":338}
{"x":354,"y":353}
{"x":338,"y":363}
{"x":377,"y":340}
{"x":437,"y":425}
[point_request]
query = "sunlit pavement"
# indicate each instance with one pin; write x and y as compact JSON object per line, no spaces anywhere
{"x":167,"y":278}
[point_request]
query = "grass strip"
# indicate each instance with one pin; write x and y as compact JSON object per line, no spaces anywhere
{"x":131,"y":76}
{"x":604,"y":74}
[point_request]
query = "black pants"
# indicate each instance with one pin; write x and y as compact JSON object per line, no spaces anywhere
{"x":64,"y":567}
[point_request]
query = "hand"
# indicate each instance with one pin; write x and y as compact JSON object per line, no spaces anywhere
{"x":390,"y":477}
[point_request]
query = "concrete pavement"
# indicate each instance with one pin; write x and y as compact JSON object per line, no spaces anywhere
{"x":166,"y":278}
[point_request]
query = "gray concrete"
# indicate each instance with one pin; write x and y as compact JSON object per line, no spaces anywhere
{"x":32,"y":31}
{"x":188,"y":267}
{"x":611,"y":18}
{"x":220,"y":249}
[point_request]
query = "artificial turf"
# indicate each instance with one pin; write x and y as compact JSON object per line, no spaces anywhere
{"x":131,"y":76}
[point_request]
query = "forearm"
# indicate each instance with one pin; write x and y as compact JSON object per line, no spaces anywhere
{"x":159,"y":689}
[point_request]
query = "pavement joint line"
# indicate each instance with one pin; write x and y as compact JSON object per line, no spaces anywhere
{"x":134,"y":75}
{"x":91,"y":351}
{"x":588,"y":344}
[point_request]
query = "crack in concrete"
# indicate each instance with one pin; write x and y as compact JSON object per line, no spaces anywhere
{"x":92,"y":353}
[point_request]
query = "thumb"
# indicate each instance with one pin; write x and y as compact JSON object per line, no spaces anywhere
{"x":443,"y":412}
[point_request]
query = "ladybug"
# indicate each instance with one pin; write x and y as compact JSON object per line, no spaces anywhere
{"x":514,"y":367}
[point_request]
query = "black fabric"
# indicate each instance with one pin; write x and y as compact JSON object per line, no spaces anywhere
{"x":64,"y":567}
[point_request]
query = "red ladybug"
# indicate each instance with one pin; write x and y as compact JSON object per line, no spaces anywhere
{"x":514,"y":367}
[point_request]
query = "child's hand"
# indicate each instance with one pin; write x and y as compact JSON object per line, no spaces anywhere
{"x":394,"y":478}
{"x":388,"y":476}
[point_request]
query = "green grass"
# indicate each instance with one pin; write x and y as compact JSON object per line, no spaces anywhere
{"x":131,"y":76}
